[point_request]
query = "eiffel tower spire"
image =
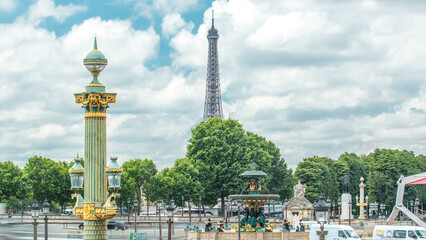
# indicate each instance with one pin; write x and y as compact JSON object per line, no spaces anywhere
{"x":213,"y":101}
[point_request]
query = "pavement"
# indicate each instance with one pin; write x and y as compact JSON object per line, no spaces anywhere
{"x":15,"y":229}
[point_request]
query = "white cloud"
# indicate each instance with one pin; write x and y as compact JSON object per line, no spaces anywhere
{"x":47,"y":8}
{"x":316,"y":78}
{"x":173,"y":23}
{"x":162,"y":7}
{"x":7,"y":5}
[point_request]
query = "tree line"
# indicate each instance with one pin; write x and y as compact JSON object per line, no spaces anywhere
{"x":380,"y":169}
{"x":217,"y":153}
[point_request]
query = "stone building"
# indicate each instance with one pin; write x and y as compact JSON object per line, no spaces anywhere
{"x":298,"y":207}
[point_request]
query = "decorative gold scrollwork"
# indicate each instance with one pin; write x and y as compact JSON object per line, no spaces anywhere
{"x":95,"y":100}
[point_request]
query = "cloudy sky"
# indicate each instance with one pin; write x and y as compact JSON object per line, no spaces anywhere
{"x":315,"y":77}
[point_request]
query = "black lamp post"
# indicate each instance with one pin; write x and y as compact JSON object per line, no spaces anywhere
{"x":273,"y":209}
{"x":45,"y":211}
{"x":285,"y":208}
{"x":170,"y":211}
{"x":239,"y":218}
{"x":227,"y":211}
{"x":350,"y":210}
{"x":135,"y":205}
{"x":322,"y":211}
{"x":183,"y":199}
{"x":417,"y":203}
{"x":412,"y":205}
{"x":366,"y":202}
{"x":382,"y":210}
{"x":329,"y":207}
{"x":334,"y":210}
{"x":159,"y":205}
{"x":190,"y":213}
{"x":128,"y":211}
{"x":339,"y":203}
{"x":172,"y":202}
{"x":34,"y":213}
{"x":199,"y":210}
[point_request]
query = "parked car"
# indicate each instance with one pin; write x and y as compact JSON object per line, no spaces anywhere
{"x":111,"y":225}
{"x":335,"y":232}
{"x":398,"y":231}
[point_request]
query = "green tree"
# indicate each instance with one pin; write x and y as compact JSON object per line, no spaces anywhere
{"x":350,"y":164}
{"x":13,"y":182}
{"x":142,"y":173}
{"x":320,"y":176}
{"x":178,"y":181}
{"x":221,"y":150}
{"x":49,"y":179}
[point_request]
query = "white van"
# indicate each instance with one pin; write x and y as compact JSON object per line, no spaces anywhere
{"x":335,"y":232}
{"x":398,"y":232}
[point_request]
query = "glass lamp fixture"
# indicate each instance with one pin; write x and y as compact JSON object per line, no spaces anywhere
{"x":95,"y":61}
{"x":114,"y":172}
{"x":77,"y":174}
{"x":35,"y":208}
{"x":46,"y":207}
{"x":170,"y":209}
{"x":321,"y":210}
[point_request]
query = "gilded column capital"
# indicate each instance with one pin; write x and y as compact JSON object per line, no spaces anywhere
{"x":95,"y":103}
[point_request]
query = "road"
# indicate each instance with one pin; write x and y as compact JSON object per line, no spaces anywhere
{"x":70,"y":231}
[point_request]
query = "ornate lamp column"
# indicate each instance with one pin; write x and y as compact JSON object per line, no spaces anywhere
{"x":97,"y":206}
{"x":361,"y":204}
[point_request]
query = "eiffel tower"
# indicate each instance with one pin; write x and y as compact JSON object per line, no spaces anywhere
{"x":213,"y":102}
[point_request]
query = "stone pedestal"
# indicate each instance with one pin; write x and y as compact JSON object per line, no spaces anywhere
{"x":345,"y":207}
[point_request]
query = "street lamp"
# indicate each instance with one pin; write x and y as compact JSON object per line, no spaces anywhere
{"x":77,"y":174}
{"x":273,"y":209}
{"x":172,"y":202}
{"x":190,"y":213}
{"x":227,"y":211}
{"x":417,"y":203}
{"x":114,"y":172}
{"x":159,"y":204}
{"x":199,"y":210}
{"x":350,"y":209}
{"x":45,"y":211}
{"x":329,"y":207}
{"x":285,"y":206}
{"x":382,"y":210}
{"x":339,"y":204}
{"x":412,"y":205}
{"x":366,"y":202}
{"x":322,"y":212}
{"x":170,"y":211}
{"x":183,"y":199}
{"x":34,"y":213}
{"x":135,"y":205}
{"x":97,"y":206}
{"x":239,"y":218}
{"x":128,"y":210}
{"x":334,"y":210}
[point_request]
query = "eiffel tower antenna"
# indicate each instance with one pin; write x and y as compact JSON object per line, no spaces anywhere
{"x":213,"y":101}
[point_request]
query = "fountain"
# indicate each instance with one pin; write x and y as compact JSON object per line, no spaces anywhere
{"x":254,"y":224}
{"x":254,"y":220}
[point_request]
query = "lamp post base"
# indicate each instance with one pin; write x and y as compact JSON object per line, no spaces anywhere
{"x":35,"y":223}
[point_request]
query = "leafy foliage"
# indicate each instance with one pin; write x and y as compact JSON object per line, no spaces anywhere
{"x":139,"y":174}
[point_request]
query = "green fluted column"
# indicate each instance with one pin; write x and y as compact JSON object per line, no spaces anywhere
{"x":95,"y":100}
{"x":95,"y":188}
